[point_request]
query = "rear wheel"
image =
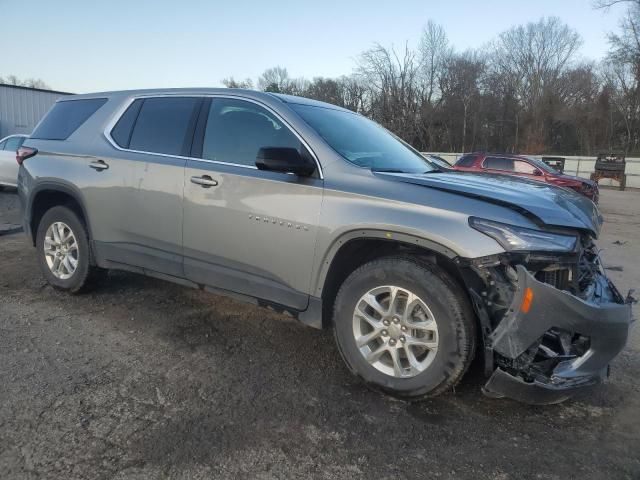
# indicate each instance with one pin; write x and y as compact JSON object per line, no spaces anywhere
{"x":405,"y":327}
{"x":63,"y":250}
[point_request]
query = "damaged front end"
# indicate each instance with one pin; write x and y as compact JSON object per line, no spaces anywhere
{"x":551,"y":322}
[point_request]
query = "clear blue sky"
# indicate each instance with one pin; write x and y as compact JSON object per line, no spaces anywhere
{"x":84,"y":45}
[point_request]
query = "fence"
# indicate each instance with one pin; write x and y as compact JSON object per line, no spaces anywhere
{"x":579,"y":166}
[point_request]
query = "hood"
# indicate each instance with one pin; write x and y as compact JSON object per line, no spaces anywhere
{"x":550,"y":205}
{"x":575,"y":179}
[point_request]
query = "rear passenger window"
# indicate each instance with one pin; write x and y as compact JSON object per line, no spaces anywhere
{"x":466,"y":161}
{"x":498,"y":163}
{"x":163,"y":125}
{"x":236,"y":130}
{"x":524,"y":167}
{"x":66,"y":117}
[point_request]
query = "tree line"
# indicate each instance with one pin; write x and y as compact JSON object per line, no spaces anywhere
{"x":527,"y":91}
{"x":29,"y":82}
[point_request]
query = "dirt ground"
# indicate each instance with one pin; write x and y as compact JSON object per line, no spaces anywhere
{"x":144,"y":379}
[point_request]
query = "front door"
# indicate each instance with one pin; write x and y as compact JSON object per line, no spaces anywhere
{"x":246,"y":230}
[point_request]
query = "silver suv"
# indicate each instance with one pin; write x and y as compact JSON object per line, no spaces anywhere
{"x":316,"y":211}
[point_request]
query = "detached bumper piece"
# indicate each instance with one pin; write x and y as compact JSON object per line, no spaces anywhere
{"x":553,"y":343}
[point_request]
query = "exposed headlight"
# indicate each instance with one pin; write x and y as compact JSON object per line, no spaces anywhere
{"x":515,"y":239}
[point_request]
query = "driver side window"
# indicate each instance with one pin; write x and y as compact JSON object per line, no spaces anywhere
{"x":237,"y":129}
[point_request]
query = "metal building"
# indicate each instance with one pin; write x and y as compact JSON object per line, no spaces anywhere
{"x":21,"y":108}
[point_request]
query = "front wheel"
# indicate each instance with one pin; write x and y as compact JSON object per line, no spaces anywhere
{"x":63,"y":250}
{"x":405,"y":327}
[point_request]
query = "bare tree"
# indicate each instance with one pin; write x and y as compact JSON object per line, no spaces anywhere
{"x":233,"y":83}
{"x":531,"y":59}
{"x":622,"y":72}
{"x":393,"y":87}
{"x":460,"y":86}
{"x":434,"y":51}
{"x":29,"y":82}
{"x":275,"y":79}
{"x":605,"y":4}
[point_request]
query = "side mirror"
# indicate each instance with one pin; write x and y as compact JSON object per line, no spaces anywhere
{"x":537,"y":172}
{"x":285,"y":160}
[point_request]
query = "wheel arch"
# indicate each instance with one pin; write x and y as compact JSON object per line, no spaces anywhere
{"x":357,"y":247}
{"x":50,"y":194}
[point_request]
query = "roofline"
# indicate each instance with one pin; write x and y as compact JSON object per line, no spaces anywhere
{"x":182,"y":91}
{"x":14,"y":135}
{"x":21,"y":87}
{"x":503,"y":154}
{"x":150,"y":92}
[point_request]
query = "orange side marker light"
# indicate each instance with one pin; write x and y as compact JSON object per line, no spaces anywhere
{"x":527,"y":300}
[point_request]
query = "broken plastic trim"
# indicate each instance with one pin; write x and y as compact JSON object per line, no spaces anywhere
{"x":605,"y":320}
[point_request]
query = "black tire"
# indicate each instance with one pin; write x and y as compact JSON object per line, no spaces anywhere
{"x":451,"y":310}
{"x":84,"y":273}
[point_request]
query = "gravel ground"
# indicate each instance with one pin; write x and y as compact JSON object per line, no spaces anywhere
{"x":144,"y":379}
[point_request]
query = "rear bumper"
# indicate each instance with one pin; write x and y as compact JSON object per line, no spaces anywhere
{"x":606,"y":324}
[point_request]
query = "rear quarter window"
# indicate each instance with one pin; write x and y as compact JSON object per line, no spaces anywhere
{"x":121,"y":133}
{"x":66,"y":117}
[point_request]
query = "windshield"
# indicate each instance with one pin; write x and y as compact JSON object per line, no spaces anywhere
{"x":439,"y":161}
{"x":363,"y":142}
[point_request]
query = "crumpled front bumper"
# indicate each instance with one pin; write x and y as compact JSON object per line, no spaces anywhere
{"x":606,"y":324}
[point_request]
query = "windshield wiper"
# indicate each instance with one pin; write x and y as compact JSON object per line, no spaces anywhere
{"x":397,"y":170}
{"x":388,"y":170}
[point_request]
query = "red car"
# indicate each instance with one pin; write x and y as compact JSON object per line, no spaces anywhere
{"x":527,"y":167}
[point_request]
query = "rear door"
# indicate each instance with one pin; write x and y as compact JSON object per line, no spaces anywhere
{"x":139,"y":217}
{"x":247,"y":230}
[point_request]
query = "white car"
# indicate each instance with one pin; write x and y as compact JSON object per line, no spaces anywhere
{"x":8,"y":164}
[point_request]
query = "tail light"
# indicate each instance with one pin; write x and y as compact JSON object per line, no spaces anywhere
{"x":25,"y":152}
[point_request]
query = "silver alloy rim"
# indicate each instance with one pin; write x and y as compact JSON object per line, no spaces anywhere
{"x":61,"y":250}
{"x":395,"y":331}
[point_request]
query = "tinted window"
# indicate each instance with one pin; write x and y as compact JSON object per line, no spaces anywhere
{"x":466,"y":161}
{"x":541,"y":165}
{"x":498,"y":163}
{"x":13,"y":143}
{"x":236,"y":130}
{"x":163,"y":125}
{"x":361,"y":141}
{"x":524,"y":167}
{"x":121,"y":133}
{"x":65,"y":118}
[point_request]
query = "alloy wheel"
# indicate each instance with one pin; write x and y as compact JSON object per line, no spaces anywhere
{"x":395,"y":331}
{"x":61,"y":250}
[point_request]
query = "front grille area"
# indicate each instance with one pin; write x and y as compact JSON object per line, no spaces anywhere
{"x":559,"y":279}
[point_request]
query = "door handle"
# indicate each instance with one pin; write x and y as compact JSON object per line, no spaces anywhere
{"x":205,"y":181}
{"x":98,"y":165}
